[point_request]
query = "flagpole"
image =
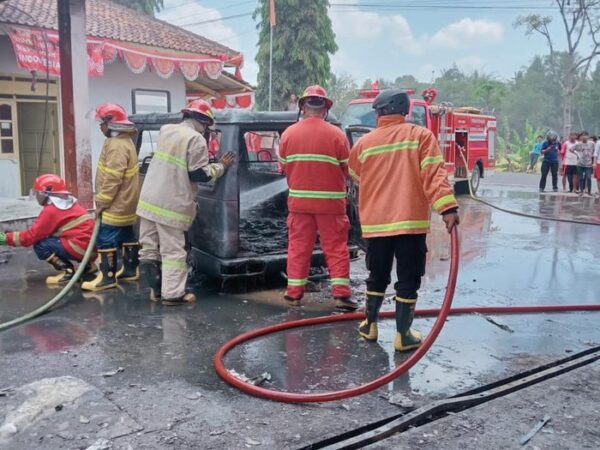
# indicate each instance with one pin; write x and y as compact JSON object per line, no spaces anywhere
{"x":270,"y":66}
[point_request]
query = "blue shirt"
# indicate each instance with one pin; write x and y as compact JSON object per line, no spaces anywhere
{"x":552,"y":154}
{"x":537,"y":149}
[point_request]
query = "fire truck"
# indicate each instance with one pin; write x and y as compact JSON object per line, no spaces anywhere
{"x":462,"y":131}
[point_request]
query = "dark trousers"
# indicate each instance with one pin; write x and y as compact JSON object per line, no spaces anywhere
{"x":45,"y":248}
{"x":547,"y":167}
{"x":110,"y":236}
{"x":571,"y":171}
{"x":585,"y":178}
{"x":410,"y":251}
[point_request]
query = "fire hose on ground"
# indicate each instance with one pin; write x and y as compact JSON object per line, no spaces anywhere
{"x":64,"y":291}
{"x":441,"y":313}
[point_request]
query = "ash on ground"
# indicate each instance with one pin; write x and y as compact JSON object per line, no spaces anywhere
{"x":263,"y":229}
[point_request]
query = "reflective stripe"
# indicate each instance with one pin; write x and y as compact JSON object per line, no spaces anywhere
{"x":402,"y":145}
{"x":317,"y":194}
{"x":354,"y":175}
{"x":16,"y":239}
{"x":446,"y":199}
{"x":376,"y":294}
{"x":80,"y":251}
{"x":405,"y":300}
{"x":119,"y":219}
{"x":340,"y":281}
{"x":343,"y":161}
{"x":165,"y":212}
{"x":72,"y":224}
{"x":104,"y":197}
{"x":127,"y":173}
{"x":164,"y":156}
{"x":172,"y":264}
{"x":406,"y":225}
{"x":432,"y":160}
{"x":309,"y":157}
{"x":296,"y":282}
{"x":282,"y":160}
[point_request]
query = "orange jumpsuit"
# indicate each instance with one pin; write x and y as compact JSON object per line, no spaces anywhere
{"x":314,"y":156}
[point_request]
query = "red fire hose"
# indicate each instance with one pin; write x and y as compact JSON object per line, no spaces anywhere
{"x":441,"y":313}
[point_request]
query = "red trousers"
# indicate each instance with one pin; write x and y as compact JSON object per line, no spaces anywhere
{"x":302,"y":235}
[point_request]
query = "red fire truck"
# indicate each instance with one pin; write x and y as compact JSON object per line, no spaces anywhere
{"x":460,"y":131}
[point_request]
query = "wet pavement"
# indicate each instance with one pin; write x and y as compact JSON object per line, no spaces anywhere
{"x":168,"y":386}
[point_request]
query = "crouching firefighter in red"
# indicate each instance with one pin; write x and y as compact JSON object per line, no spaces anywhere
{"x":402,"y":176}
{"x":60,"y":234}
{"x":314,"y":156}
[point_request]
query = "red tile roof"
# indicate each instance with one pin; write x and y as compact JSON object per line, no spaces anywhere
{"x":106,"y":19}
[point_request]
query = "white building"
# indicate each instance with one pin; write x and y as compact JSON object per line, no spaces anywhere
{"x":137,"y":61}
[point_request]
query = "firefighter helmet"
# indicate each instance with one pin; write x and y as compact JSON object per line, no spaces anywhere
{"x":317,"y":93}
{"x":392,"y":101}
{"x":112,"y":114}
{"x":200,"y":110}
{"x":551,"y":134}
{"x":50,"y":183}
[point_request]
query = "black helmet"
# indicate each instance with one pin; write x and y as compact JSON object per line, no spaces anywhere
{"x":392,"y":101}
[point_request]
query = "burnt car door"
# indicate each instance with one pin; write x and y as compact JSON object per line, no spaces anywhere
{"x":354,"y":133}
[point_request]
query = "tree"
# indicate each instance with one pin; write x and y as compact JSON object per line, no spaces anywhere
{"x":342,"y":89}
{"x":145,"y":6}
{"x":581,"y":22}
{"x":303,"y":41}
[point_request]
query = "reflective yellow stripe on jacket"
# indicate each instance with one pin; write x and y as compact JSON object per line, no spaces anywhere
{"x":308,"y":157}
{"x":405,"y":225}
{"x":72,"y":224}
{"x":388,"y":148}
{"x":167,"y":214}
{"x":317,"y":194}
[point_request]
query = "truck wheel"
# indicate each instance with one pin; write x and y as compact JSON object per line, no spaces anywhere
{"x":475,"y":178}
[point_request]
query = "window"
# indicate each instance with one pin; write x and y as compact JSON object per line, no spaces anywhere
{"x":262,"y":150}
{"x":419,"y":115}
{"x":150,"y":101}
{"x":148,"y":143}
{"x":6,"y":130}
{"x":359,"y":114}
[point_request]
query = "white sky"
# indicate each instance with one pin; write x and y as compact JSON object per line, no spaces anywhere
{"x":379,"y":42}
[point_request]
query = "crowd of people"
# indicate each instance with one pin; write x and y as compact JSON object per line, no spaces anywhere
{"x":576,"y":158}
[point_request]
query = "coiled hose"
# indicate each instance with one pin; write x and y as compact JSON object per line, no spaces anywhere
{"x":64,"y":291}
{"x":441,"y":313}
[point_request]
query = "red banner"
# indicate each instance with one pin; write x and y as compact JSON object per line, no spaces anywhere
{"x":38,"y":50}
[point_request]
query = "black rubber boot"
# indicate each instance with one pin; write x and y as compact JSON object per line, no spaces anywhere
{"x":65,"y":268}
{"x":186,"y":298}
{"x":106,"y":277}
{"x":129,"y":270}
{"x":151,"y":275}
{"x":90,"y":272}
{"x":406,"y":339}
{"x":368,"y":327}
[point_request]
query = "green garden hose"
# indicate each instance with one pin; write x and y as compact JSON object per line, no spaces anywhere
{"x":64,"y":291}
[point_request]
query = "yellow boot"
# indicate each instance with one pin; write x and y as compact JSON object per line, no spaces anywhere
{"x":406,"y":339}
{"x":130,"y":270}
{"x":368,"y":327}
{"x":65,"y":268}
{"x":106,"y":277}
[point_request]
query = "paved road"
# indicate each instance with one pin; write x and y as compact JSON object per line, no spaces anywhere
{"x":168,"y":396}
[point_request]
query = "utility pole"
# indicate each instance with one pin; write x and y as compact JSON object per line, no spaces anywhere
{"x":74,"y":95}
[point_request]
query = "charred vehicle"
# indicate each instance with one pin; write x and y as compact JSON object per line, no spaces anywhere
{"x":240,"y":226}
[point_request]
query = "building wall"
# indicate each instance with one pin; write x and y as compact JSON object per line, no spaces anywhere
{"x":115,"y":86}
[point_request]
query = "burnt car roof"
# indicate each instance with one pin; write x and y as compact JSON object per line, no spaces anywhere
{"x":232,"y":116}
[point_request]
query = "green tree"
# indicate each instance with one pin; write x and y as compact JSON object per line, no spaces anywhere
{"x":303,"y":41}
{"x":580,"y":21}
{"x":145,"y":6}
{"x":342,"y":89}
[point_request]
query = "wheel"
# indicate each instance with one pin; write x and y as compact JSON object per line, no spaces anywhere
{"x":475,"y":178}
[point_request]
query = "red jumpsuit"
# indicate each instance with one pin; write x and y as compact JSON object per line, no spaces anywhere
{"x":314,"y":156}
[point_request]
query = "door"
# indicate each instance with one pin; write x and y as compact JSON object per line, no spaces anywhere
{"x":354,"y":133}
{"x":38,"y":150}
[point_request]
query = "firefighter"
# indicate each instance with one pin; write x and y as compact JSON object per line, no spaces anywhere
{"x":167,"y":202}
{"x":402,"y":175}
{"x":60,"y":234}
{"x":314,"y":156}
{"x":117,"y":193}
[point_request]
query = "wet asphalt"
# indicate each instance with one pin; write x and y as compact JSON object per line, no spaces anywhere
{"x":505,"y":260}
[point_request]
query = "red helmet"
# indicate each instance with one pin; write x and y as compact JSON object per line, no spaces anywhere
{"x":112,"y":113}
{"x":50,"y":183}
{"x":315,"y":91}
{"x":201,"y":107}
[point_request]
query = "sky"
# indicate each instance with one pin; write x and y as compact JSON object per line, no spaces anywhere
{"x":389,"y":38}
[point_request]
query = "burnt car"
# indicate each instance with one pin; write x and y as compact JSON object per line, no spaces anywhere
{"x":240,"y":227}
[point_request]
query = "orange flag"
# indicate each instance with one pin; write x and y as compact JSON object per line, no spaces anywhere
{"x":272,"y":17}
